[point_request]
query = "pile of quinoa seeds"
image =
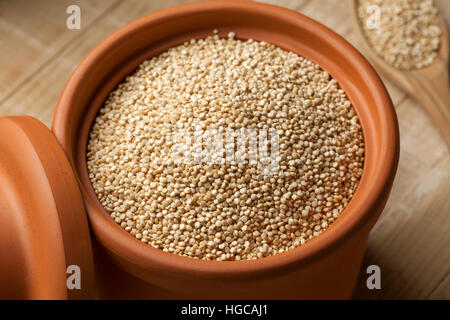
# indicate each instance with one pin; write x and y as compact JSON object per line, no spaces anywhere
{"x":407,"y":33}
{"x":228,"y":208}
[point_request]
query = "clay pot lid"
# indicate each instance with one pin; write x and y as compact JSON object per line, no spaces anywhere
{"x":43,"y":224}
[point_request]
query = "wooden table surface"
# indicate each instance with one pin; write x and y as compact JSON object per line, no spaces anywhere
{"x":410,"y":242}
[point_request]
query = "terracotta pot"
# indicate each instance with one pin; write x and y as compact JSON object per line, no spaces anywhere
{"x":43,"y":225}
{"x":325,"y":267}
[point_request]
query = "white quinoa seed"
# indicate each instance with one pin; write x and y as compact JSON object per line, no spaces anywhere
{"x":409,"y":34}
{"x":226,"y":211}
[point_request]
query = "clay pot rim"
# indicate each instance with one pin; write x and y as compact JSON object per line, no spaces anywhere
{"x":142,"y":255}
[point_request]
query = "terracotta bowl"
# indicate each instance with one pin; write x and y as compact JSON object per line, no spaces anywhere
{"x":325,"y":267}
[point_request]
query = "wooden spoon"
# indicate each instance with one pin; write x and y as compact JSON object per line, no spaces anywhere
{"x":429,"y":86}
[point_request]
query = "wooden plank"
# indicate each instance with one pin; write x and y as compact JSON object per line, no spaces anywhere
{"x":295,"y":5}
{"x":33,"y":32}
{"x":409,"y":242}
{"x":38,"y":96}
{"x":419,"y":137}
{"x":331,"y":13}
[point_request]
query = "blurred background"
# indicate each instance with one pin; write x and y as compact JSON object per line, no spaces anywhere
{"x":411,"y":240}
